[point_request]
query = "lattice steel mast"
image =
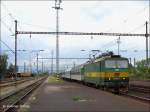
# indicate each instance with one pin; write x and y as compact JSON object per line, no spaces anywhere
{"x":57,"y":7}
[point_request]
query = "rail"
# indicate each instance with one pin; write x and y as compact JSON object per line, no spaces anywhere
{"x":143,"y":99}
{"x":9,"y":102}
{"x":12,"y":83}
{"x":138,"y":92}
{"x":139,"y":88}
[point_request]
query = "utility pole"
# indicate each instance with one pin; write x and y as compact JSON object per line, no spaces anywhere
{"x":15,"y":49}
{"x":146,"y":35}
{"x":0,"y":45}
{"x":37,"y":64}
{"x":0,"y":48}
{"x":30,"y":62}
{"x":130,"y":61}
{"x":134,"y":62}
{"x":42,"y":66}
{"x":24,"y":67}
{"x":0,"y":57}
{"x":74,"y":64}
{"x":134,"y":66}
{"x":149,"y":47}
{"x":52,"y":63}
{"x":57,"y":7}
{"x":118,"y":42}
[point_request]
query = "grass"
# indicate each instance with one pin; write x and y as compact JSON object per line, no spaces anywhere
{"x":76,"y":98}
{"x":24,"y":109}
{"x":53,"y":79}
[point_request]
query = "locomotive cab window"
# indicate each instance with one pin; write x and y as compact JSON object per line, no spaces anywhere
{"x":110,"y":64}
{"x":116,"y":64}
{"x":122,"y":64}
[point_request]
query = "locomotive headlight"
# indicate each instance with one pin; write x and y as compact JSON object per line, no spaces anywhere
{"x":109,"y":78}
{"x":124,"y":78}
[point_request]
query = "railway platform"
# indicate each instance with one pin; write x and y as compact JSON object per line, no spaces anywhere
{"x":62,"y":96}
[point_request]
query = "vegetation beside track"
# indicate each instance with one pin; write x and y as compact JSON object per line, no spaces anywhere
{"x":79,"y":99}
{"x":140,"y":71}
{"x":54,"y":79}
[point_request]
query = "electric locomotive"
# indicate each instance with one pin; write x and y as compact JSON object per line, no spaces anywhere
{"x":106,"y":71}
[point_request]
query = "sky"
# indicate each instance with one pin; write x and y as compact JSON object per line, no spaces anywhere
{"x":76,"y":16}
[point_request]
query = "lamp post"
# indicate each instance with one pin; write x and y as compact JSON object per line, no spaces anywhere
{"x":52,"y":62}
{"x":30,"y":60}
{"x":37,"y":60}
{"x":118,"y":42}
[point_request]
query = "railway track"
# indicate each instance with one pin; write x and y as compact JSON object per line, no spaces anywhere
{"x":11,"y":103}
{"x":12,"y":83}
{"x":140,"y":98}
{"x":5,"y":81}
{"x":138,"y":92}
{"x":8,"y":80}
{"x":139,"y":88}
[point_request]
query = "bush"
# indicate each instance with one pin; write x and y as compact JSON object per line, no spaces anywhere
{"x":140,"y":71}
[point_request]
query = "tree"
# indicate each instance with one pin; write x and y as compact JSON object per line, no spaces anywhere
{"x":3,"y":65}
{"x":142,"y":70}
{"x":11,"y":68}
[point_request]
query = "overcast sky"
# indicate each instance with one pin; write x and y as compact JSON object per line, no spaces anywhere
{"x":76,"y":16}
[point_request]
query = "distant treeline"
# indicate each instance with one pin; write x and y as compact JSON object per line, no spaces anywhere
{"x":4,"y":68}
{"x":141,"y":70}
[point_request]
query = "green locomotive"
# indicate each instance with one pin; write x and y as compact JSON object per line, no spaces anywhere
{"x":107,"y":71}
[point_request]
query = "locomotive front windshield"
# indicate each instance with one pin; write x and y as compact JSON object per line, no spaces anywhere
{"x":116,"y":64}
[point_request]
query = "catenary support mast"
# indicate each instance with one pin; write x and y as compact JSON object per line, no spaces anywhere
{"x":57,"y":7}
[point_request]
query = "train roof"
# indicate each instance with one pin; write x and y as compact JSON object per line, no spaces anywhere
{"x":104,"y":56}
{"x":109,"y":57}
{"x":77,"y":67}
{"x":68,"y":69}
{"x":100,"y":58}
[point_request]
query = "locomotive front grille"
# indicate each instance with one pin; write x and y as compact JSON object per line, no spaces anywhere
{"x":116,"y":74}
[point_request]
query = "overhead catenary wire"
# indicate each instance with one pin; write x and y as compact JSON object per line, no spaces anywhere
{"x":109,"y":44}
{"x":83,"y":33}
{"x":10,"y":15}
{"x":113,"y":43}
{"x":8,"y":12}
{"x":8,"y":28}
{"x":137,"y":28}
{"x":126,"y":19}
{"x":8,"y":47}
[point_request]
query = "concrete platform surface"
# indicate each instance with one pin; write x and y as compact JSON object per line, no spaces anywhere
{"x":73,"y":97}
